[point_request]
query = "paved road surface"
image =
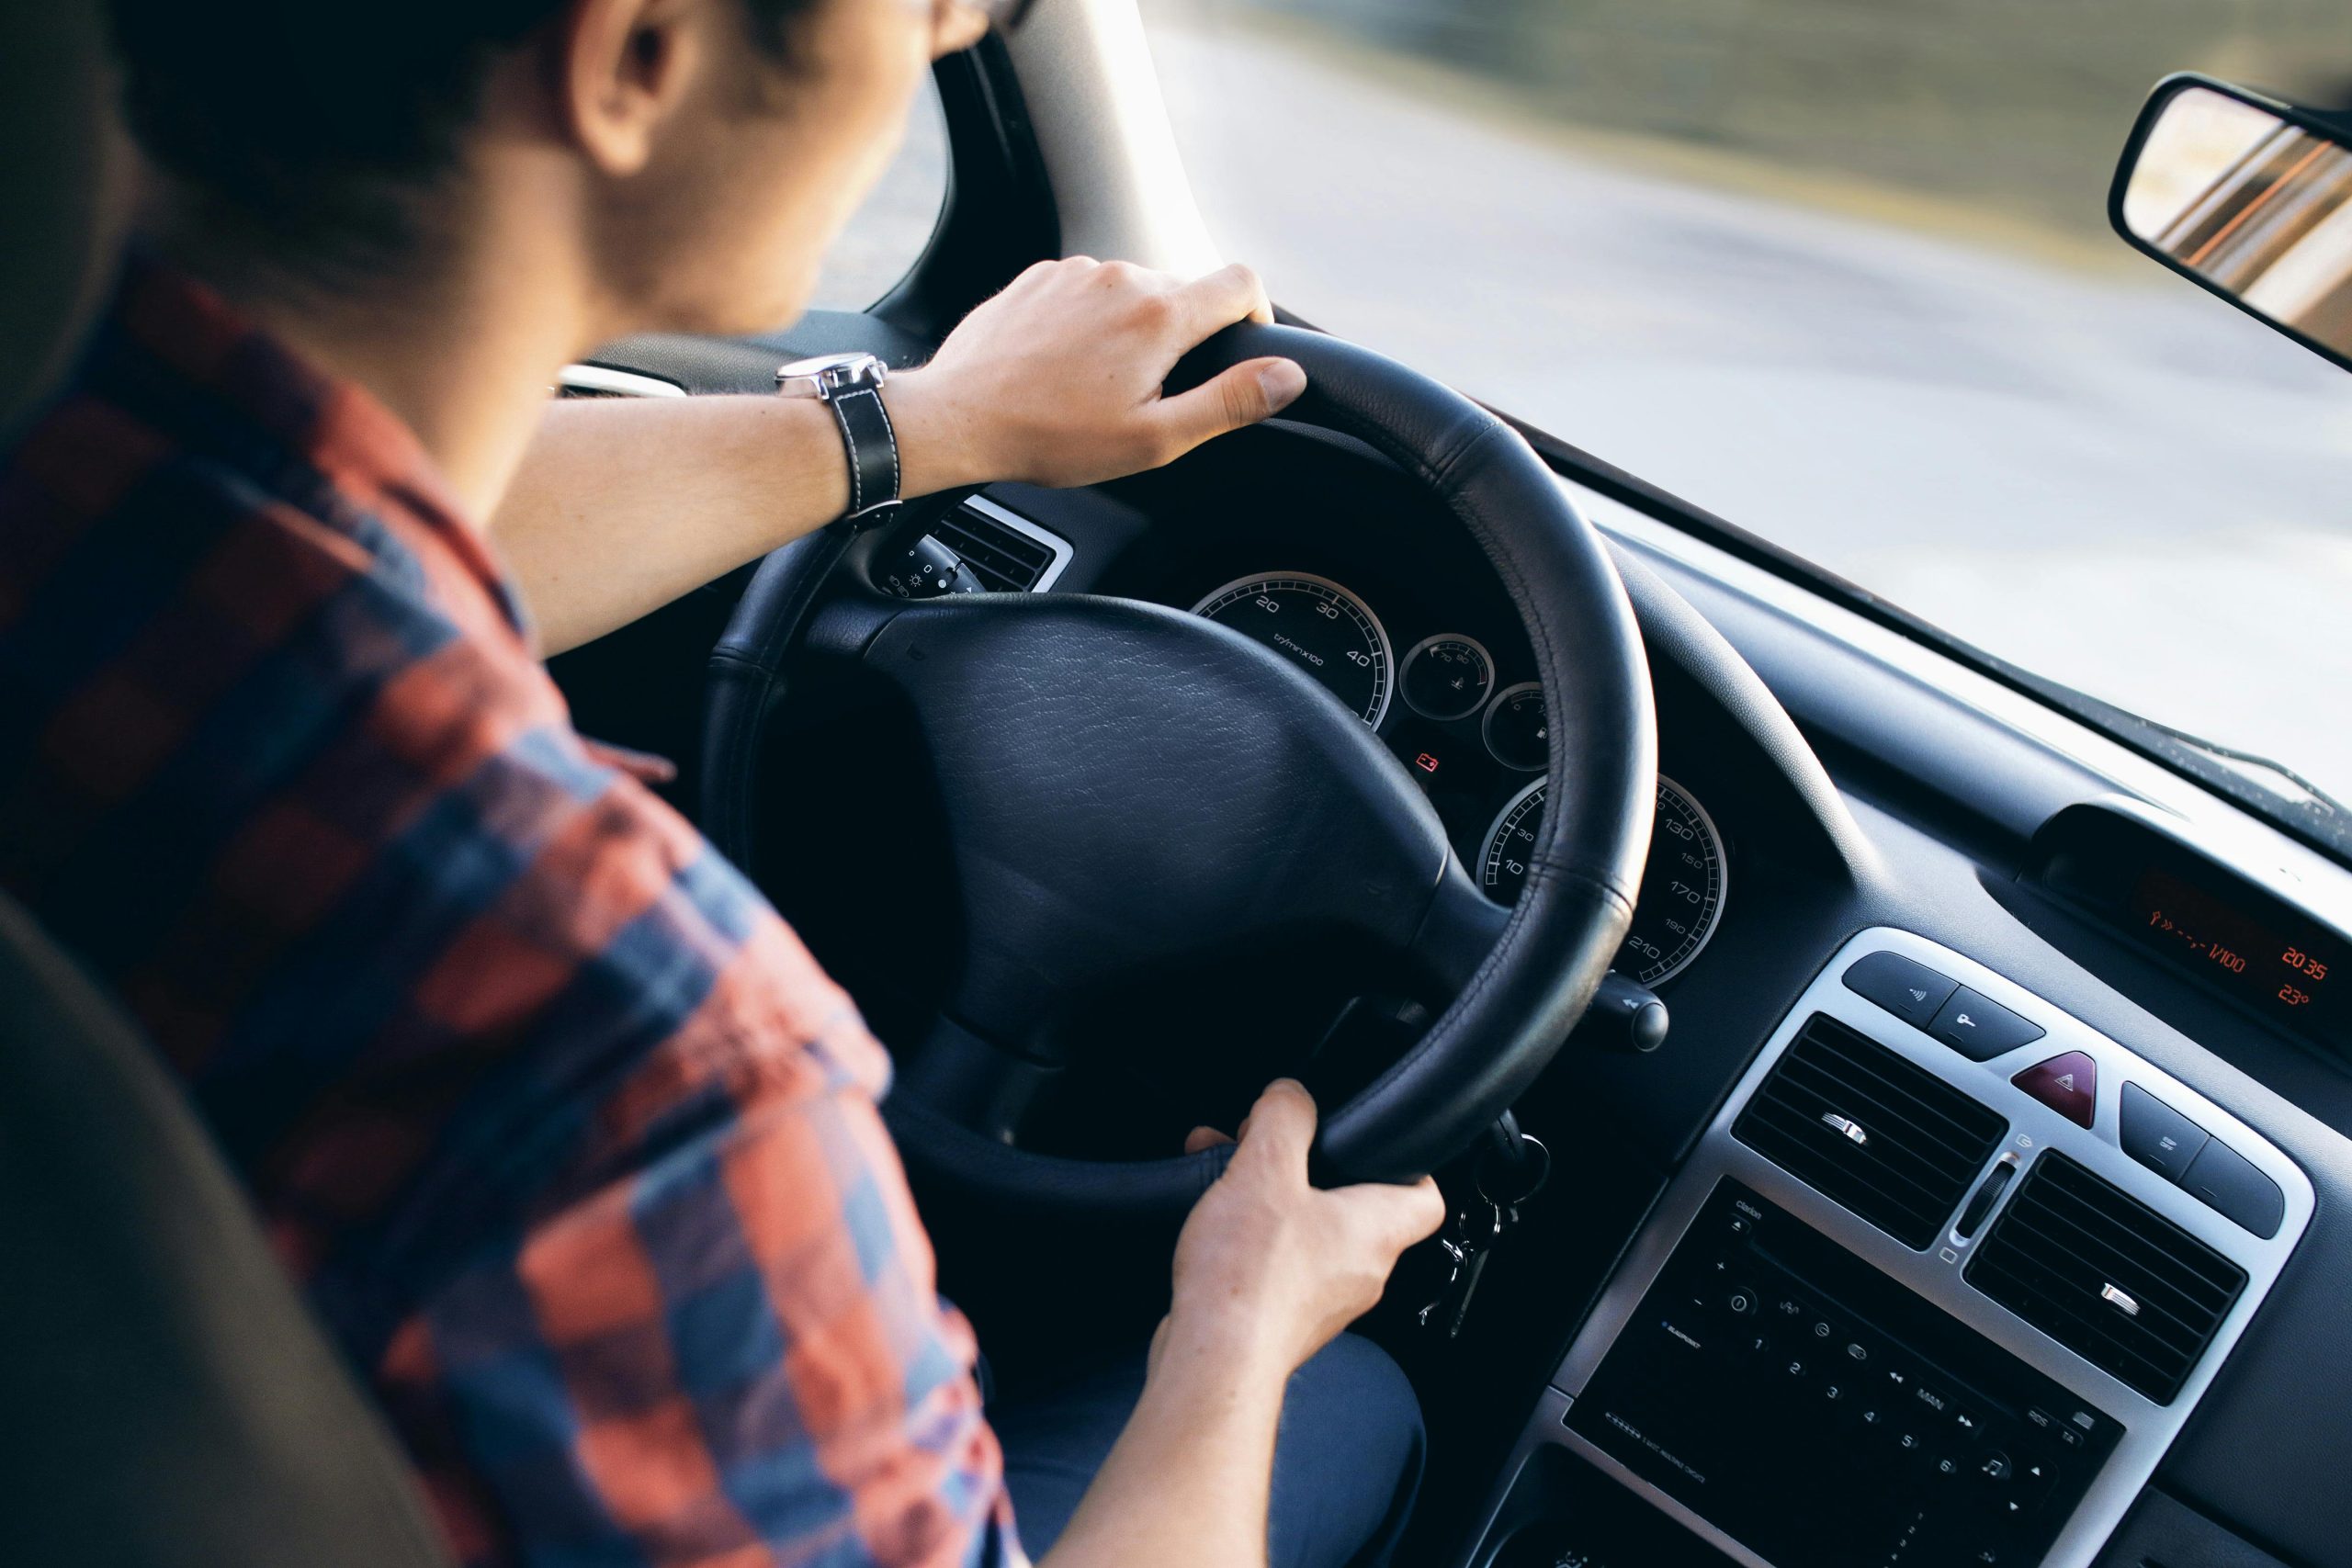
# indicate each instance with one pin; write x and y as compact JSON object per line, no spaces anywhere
{"x":2114,"y":480}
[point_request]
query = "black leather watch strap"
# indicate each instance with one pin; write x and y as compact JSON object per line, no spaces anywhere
{"x":873,"y":448}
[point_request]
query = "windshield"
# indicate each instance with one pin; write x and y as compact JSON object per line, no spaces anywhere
{"x":1838,"y":271}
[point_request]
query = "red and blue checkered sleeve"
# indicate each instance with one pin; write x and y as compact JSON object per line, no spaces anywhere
{"x":731,"y":1353}
{"x":572,"y":1146}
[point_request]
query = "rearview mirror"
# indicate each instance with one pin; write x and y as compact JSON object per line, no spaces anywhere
{"x":2250,"y":197}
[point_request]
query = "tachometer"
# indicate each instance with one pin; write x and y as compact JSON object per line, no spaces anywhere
{"x":1321,"y":627}
{"x":1682,"y":885}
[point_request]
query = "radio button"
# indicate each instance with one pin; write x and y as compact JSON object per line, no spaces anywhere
{"x":2222,"y":1179}
{"x":2158,"y":1136}
{"x":1912,"y":992}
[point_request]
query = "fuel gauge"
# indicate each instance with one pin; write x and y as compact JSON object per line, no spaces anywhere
{"x":1516,"y":732}
{"x":1447,"y":676}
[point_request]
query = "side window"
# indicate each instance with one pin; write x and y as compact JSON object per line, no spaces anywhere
{"x":891,"y":229}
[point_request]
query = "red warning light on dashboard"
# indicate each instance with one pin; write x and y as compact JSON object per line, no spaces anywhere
{"x":1425,"y":763}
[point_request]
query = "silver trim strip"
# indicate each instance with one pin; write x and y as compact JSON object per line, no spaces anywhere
{"x":606,"y":381}
{"x":1062,"y":548}
{"x":2148,"y":1427}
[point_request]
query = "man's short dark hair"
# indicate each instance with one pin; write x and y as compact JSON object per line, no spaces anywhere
{"x":307,"y":121}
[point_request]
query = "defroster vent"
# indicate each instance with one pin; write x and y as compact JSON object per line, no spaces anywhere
{"x":2105,"y":1276}
{"x":1887,"y":1138}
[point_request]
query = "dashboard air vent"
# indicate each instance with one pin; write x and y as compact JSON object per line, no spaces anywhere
{"x":1009,"y":554}
{"x":1887,"y":1139}
{"x":2105,"y":1276}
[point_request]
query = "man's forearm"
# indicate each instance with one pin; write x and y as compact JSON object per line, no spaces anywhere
{"x":620,"y":505}
{"x":623,"y":504}
{"x":1187,"y":1482}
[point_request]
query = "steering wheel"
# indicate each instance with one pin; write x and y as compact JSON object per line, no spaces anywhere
{"x":1127,"y":787}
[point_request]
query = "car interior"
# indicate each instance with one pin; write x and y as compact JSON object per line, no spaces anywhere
{"x":1893,"y":1118}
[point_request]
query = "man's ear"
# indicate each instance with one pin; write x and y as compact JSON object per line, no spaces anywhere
{"x":624,"y":67}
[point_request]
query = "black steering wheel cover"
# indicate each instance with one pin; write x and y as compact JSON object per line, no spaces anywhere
{"x":1585,"y":868}
{"x":745,"y":679}
{"x":1520,"y":1004}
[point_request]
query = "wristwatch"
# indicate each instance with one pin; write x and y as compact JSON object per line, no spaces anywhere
{"x":850,"y":384}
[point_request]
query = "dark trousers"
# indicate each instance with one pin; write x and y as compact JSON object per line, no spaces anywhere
{"x":1347,"y":1460}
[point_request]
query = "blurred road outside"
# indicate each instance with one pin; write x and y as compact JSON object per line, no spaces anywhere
{"x":2000,"y":420}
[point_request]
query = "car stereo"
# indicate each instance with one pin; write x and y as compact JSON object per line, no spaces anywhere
{"x":1820,"y":1414}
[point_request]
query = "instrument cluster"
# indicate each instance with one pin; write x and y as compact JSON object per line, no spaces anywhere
{"x":1479,"y":745}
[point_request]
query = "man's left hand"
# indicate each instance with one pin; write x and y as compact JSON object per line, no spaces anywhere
{"x":1056,"y":380}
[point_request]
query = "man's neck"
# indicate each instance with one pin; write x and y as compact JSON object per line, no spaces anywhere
{"x":462,"y":345}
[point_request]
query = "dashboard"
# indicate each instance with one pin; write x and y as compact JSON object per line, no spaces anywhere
{"x":1770,"y":1353}
{"x":2145,"y":1015}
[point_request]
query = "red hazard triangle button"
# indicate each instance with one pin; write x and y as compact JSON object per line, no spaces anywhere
{"x":2067,"y":1084}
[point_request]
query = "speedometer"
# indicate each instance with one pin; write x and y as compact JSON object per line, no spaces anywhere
{"x":1317,"y":625}
{"x":1682,"y":884}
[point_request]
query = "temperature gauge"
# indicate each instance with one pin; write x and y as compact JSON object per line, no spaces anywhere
{"x":1447,"y":676}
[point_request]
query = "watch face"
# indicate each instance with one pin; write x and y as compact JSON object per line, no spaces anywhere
{"x":820,"y":363}
{"x":829,"y":373}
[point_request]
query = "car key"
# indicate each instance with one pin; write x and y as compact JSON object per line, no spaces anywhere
{"x":1514,"y":1171}
{"x":1474,"y":1231}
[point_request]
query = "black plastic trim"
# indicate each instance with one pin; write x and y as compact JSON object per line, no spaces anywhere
{"x":2335,"y":128}
{"x":1000,"y":214}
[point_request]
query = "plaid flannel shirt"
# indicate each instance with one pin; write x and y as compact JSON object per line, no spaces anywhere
{"x":569,"y":1141}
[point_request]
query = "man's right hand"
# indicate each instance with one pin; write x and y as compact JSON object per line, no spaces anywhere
{"x":1268,"y":1271}
{"x":1270,"y":1267}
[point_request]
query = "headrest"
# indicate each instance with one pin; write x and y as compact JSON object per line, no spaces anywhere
{"x":65,"y":185}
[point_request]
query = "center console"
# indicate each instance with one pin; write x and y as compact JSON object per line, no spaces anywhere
{"x":1942,"y":1282}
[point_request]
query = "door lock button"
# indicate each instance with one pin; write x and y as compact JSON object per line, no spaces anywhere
{"x":1979,"y":1028}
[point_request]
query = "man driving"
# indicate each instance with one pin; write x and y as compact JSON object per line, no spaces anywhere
{"x":573,"y":1148}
